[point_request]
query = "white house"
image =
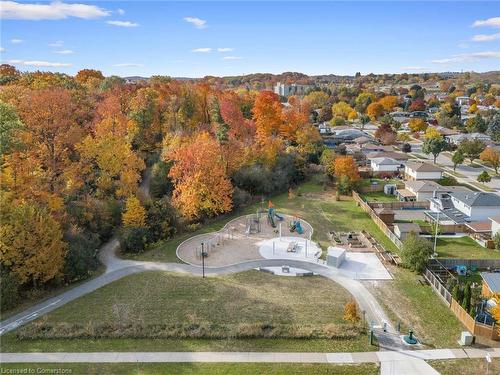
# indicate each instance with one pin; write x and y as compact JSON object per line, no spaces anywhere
{"x":495,"y":225}
{"x":422,"y":171}
{"x":385,"y":165}
{"x":456,"y":139}
{"x":422,"y":190}
{"x":467,"y":207}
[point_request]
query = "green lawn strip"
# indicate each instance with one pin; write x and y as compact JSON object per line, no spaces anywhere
{"x":199,"y":368}
{"x":159,"y":297}
{"x":378,"y":196}
{"x":417,"y":306}
{"x":482,"y":186}
{"x":455,"y":174}
{"x":465,"y":248}
{"x":466,"y":366}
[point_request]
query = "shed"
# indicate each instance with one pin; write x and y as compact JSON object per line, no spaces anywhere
{"x":402,"y":230}
{"x":335,"y":256}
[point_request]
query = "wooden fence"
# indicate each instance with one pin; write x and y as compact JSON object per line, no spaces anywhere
{"x":478,"y":263}
{"x":401,"y":205}
{"x":478,"y":329}
{"x":382,"y":226}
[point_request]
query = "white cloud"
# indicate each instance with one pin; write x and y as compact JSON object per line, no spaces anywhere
{"x":2,"y":49}
{"x":231,"y":58}
{"x":123,"y":23}
{"x":128,"y":65}
{"x":225,"y":49}
{"x":485,"y":38}
{"x":469,"y":57}
{"x":39,"y":64}
{"x":58,"y":43}
{"x":202,"y":50}
{"x":463,"y":45}
{"x":415,"y":68}
{"x":54,"y":11}
{"x":490,"y":22}
{"x":16,"y":41}
{"x":197,"y":22}
{"x":64,"y":52}
{"x":120,"y":11}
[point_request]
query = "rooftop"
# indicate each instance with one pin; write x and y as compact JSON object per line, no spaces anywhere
{"x":385,"y":161}
{"x":478,"y":199}
{"x":407,"y":227}
{"x":422,"y":167}
{"x":492,"y":279}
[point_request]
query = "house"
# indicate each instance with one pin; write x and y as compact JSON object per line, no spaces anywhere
{"x":385,"y":165}
{"x":462,"y":100}
{"x":422,"y":171}
{"x":464,"y":207}
{"x":456,"y":139}
{"x":495,"y":225}
{"x":491,"y":283}
{"x":402,"y":230}
{"x":388,"y":154}
{"x":422,"y":190}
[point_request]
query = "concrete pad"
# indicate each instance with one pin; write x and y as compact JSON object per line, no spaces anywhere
{"x":277,"y":248}
{"x":364,"y":266}
{"x":364,"y":357}
{"x":414,"y":367}
{"x":339,"y":358}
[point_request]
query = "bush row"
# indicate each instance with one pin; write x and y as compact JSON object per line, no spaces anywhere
{"x":191,"y":330}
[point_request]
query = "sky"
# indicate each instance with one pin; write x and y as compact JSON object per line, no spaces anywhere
{"x":194,"y":39}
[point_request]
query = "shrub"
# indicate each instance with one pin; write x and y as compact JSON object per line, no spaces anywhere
{"x":161,"y":184}
{"x":81,"y":258}
{"x":9,"y":290}
{"x":415,"y":252}
{"x":161,"y":219}
{"x":133,"y":239}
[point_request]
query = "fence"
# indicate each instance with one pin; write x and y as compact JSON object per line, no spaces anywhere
{"x":401,"y":205}
{"x":382,"y":226}
{"x":479,"y":329}
{"x":478,"y":263}
{"x":437,"y":286}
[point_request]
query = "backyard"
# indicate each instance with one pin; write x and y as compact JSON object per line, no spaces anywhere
{"x":465,"y":248}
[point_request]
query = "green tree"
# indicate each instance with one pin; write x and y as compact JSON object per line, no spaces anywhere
{"x":472,"y":148}
{"x":434,"y":146}
{"x":484,"y":177}
{"x":457,"y":158}
{"x":10,"y":125}
{"x":466,"y":298}
{"x":415,"y":252}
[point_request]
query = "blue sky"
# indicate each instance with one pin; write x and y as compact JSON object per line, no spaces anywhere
{"x":194,"y":39}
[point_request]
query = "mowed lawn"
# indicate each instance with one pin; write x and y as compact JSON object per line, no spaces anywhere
{"x":465,"y":248}
{"x":201,"y":368}
{"x":247,"y":297}
{"x":160,"y":297}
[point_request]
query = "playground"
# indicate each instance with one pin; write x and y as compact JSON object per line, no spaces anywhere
{"x":241,"y":239}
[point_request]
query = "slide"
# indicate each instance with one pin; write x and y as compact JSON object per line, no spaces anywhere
{"x":271,"y":220}
{"x":298,"y":227}
{"x":279,"y":217}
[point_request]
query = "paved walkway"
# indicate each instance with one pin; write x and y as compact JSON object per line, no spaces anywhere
{"x":388,"y":359}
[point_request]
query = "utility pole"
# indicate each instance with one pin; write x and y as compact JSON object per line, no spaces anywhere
{"x":203,"y":255}
{"x":436,"y":234}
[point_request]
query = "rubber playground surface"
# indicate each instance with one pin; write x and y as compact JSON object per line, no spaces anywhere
{"x":233,"y":244}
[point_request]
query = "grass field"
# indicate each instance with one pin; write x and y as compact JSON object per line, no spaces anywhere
{"x":159,"y":297}
{"x":378,"y":196}
{"x":465,"y":248}
{"x":199,"y":368}
{"x":466,"y":366}
{"x":418,"y":307}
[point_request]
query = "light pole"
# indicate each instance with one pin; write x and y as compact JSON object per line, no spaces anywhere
{"x":203,"y":255}
{"x":436,"y":234}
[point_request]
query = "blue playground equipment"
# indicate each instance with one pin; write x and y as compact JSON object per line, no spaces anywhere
{"x":271,"y":214}
{"x":296,"y":227}
{"x":461,"y":270}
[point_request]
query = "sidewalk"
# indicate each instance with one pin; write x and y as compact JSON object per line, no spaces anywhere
{"x":235,"y":357}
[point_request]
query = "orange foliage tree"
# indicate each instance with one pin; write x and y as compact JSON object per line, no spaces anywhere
{"x":267,"y":114}
{"x":201,"y":185}
{"x":375,"y":110}
{"x":346,"y":166}
{"x":388,"y":102}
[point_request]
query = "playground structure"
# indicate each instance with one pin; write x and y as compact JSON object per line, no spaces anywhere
{"x":237,"y":242}
{"x":272,"y":214}
{"x":253,"y":224}
{"x":295,"y":226}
